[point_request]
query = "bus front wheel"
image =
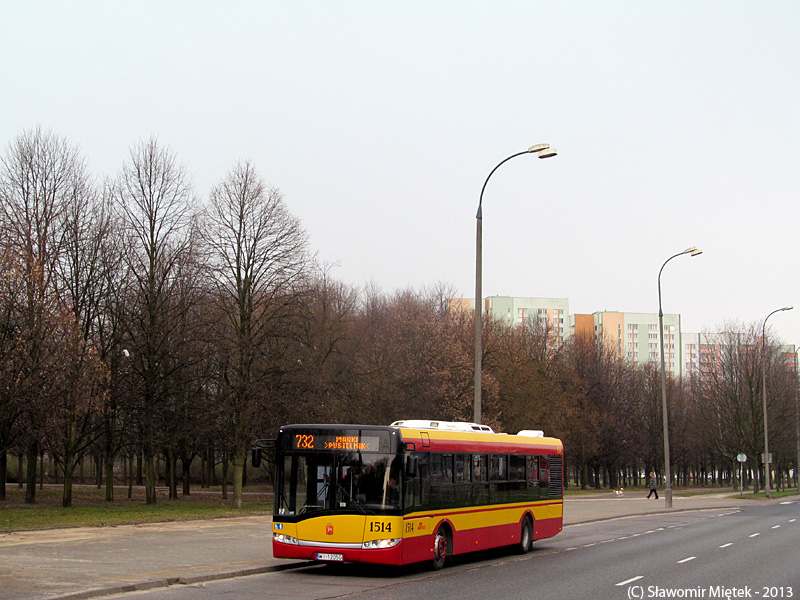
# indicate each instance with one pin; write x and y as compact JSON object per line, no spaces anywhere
{"x":440,"y":548}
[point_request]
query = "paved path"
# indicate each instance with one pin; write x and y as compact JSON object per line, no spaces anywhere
{"x":94,"y":561}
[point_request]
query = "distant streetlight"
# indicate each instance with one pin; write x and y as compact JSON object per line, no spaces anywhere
{"x":542,"y":151}
{"x":667,"y":473}
{"x":764,"y":390}
{"x":797,"y":416}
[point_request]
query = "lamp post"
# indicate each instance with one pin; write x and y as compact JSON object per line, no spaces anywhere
{"x":667,"y":473}
{"x":542,"y":151}
{"x":797,"y":416}
{"x":764,"y":390}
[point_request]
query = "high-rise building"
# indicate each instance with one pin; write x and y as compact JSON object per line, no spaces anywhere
{"x":634,"y":336}
{"x":704,"y":353}
{"x":551,"y":314}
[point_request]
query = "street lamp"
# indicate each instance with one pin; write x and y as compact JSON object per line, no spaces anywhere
{"x":764,"y":390}
{"x":797,"y":416}
{"x":667,"y":474}
{"x":542,"y":151}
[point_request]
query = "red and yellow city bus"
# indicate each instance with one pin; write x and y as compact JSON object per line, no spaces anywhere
{"x":413,"y":491}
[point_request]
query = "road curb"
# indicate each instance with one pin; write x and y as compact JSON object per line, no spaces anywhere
{"x":163,"y":583}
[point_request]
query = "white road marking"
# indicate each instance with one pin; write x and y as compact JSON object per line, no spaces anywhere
{"x":631,"y":580}
{"x":685,"y":560}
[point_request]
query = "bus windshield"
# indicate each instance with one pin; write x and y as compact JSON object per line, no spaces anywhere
{"x":339,"y":482}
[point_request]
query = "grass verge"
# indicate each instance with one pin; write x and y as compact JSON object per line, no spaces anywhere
{"x":749,"y":495}
{"x":90,"y":509}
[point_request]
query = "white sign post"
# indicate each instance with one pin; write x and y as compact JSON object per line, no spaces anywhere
{"x":742,"y":458}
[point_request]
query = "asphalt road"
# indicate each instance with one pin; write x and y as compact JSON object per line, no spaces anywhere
{"x":730,"y":553}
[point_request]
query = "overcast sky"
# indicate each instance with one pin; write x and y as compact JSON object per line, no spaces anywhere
{"x":677,"y":124}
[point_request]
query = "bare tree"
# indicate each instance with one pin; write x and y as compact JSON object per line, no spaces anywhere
{"x":259,"y":259}
{"x":321,"y":379}
{"x":156,"y":202}
{"x":530,"y":371}
{"x":11,"y":287}
{"x":415,"y":358}
{"x":732,"y":391}
{"x":41,"y":177}
{"x":83,"y":285}
{"x":593,"y":387}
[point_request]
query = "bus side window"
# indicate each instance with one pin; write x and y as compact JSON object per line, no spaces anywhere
{"x":447,"y":468}
{"x":462,"y":468}
{"x":498,"y":467}
{"x":423,"y":479}
{"x":480,"y":468}
{"x":516,"y":467}
{"x":544,"y":480}
{"x":436,"y":468}
{"x":533,"y":471}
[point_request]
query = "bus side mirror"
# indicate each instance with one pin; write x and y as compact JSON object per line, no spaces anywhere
{"x":411,"y":465}
{"x":256,"y":457}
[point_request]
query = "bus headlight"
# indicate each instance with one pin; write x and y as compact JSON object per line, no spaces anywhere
{"x":285,"y":539}
{"x":373,"y":544}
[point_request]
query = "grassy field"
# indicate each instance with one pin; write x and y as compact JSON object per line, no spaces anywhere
{"x":91,"y":509}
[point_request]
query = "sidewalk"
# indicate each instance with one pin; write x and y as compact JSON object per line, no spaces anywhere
{"x":91,"y":562}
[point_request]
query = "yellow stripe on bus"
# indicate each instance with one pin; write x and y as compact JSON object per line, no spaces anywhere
{"x":475,"y":517}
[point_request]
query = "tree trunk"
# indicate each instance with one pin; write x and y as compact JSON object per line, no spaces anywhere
{"x":224,"y":475}
{"x":584,"y":469}
{"x":30,"y":481}
{"x":129,"y":461}
{"x":3,"y":468}
{"x":69,"y":464}
{"x":212,"y":471}
{"x":239,"y":459}
{"x":69,"y":468}
{"x":109,"y":474}
{"x":41,"y":469}
{"x":187,"y":465}
{"x":150,"y":479}
{"x":98,"y":467}
{"x":172,"y":483}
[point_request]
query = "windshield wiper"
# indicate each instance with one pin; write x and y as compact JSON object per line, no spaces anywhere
{"x":354,"y":502}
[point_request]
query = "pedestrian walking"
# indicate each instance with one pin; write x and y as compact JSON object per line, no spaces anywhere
{"x":653,"y":485}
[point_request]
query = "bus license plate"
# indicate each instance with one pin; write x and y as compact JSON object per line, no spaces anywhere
{"x":324,"y":556}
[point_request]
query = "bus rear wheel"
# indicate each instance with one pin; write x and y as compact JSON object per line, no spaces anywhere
{"x":440,"y":548}
{"x":525,"y":536}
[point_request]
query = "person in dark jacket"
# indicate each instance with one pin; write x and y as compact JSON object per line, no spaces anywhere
{"x":653,"y":484}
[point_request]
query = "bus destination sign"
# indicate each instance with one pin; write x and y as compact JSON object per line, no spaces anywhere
{"x":331,"y":441}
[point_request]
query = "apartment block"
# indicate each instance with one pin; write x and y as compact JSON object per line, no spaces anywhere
{"x":634,"y":336}
{"x":703,"y":353}
{"x":549,"y":313}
